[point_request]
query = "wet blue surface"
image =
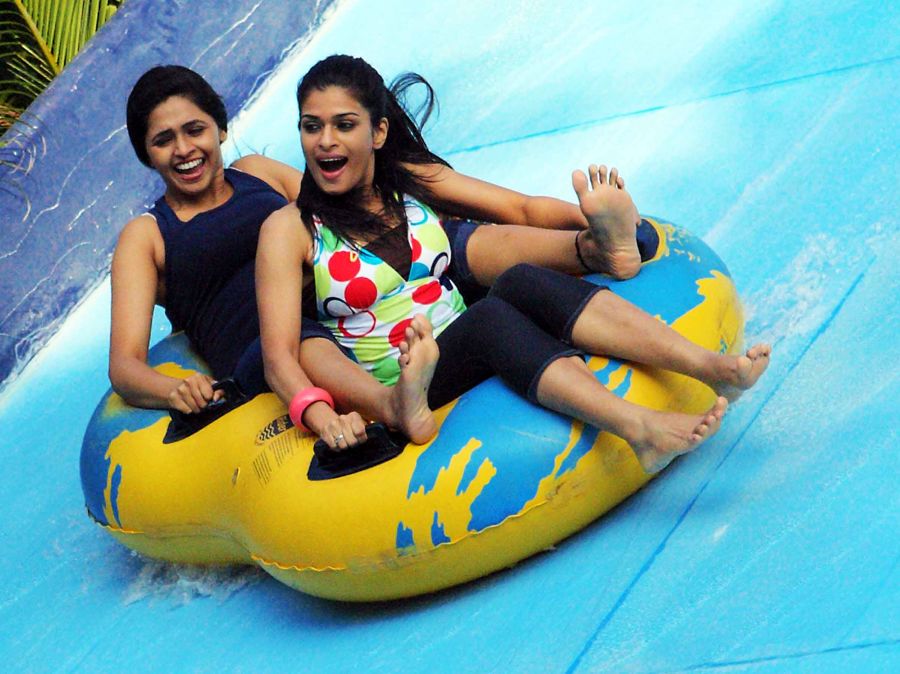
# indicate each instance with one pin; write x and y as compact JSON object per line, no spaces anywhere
{"x":771,"y":131}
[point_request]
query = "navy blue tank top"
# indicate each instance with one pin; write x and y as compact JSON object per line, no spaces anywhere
{"x":210,"y":291}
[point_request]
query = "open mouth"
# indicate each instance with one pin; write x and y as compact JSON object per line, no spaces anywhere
{"x":331,"y":165}
{"x":189,"y":167}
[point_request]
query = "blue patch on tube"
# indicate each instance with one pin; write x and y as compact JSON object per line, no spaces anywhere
{"x":437,"y":532}
{"x":469,"y":474}
{"x":114,"y":493}
{"x":582,"y":447}
{"x":654,"y":289}
{"x":404,"y":537}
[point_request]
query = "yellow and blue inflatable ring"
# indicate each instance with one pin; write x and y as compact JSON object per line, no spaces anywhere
{"x":501,"y":481}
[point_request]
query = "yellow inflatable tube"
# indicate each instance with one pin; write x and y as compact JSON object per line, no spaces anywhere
{"x":501,"y":481}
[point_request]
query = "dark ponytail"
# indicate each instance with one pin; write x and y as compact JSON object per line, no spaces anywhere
{"x":344,"y":214}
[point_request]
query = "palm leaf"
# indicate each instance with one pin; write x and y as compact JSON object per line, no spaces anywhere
{"x":38,"y":38}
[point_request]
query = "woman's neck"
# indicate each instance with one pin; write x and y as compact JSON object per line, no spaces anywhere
{"x":186,"y":205}
{"x":371,"y":200}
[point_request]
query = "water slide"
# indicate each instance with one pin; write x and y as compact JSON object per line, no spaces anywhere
{"x":768,"y":128}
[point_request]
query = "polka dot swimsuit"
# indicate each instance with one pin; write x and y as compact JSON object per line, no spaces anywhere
{"x":367,"y":305}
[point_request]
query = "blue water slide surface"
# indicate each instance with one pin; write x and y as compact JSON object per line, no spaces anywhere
{"x":768,"y":128}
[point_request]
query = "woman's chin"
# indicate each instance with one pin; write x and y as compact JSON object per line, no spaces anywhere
{"x":333,"y":189}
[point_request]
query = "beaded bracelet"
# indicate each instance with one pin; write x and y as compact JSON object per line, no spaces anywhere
{"x":304,"y":399}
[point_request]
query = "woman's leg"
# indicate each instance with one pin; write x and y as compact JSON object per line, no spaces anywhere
{"x":610,"y":325}
{"x":403,"y":406}
{"x":602,"y":323}
{"x":569,"y":387}
{"x":493,"y":337}
{"x":614,"y":243}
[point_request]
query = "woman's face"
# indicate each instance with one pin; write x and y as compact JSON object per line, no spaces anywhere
{"x":184,"y":146}
{"x":339,"y":140}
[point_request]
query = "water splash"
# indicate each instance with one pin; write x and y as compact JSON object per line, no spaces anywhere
{"x":179,"y":584}
{"x":796,"y":301}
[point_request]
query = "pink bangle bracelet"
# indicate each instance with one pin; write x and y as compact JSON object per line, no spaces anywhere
{"x":304,"y":399}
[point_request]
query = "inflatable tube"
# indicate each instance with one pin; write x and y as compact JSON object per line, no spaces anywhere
{"x":502,"y":480}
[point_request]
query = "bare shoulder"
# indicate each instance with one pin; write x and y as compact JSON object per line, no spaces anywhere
{"x":143,"y":223}
{"x":281,"y":177}
{"x":286,"y":224}
{"x":284,"y":236}
{"x":141,"y":233}
{"x":139,"y":257}
{"x":253,"y":163}
{"x":286,"y":216}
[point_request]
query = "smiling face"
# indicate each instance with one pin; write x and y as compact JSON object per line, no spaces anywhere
{"x":339,"y":140}
{"x":184,"y":146}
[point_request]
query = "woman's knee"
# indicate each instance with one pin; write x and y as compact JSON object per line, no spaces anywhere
{"x":515,"y":281}
{"x":489,"y":310}
{"x":493,"y":323}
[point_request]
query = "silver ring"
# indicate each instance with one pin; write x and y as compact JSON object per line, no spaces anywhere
{"x":338,"y":438}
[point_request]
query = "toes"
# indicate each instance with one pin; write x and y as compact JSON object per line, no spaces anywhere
{"x":421,"y":325}
{"x":427,"y":328}
{"x":760,"y":351}
{"x":720,"y":407}
{"x":614,"y":176}
{"x":579,"y":182}
{"x":601,"y":174}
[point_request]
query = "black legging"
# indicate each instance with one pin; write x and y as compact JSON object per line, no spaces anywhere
{"x":522,"y":326}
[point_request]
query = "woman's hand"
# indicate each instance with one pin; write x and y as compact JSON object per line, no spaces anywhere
{"x":343,"y":431}
{"x":193,"y":393}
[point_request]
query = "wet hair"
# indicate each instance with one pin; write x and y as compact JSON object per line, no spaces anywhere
{"x":404,"y":144}
{"x":160,"y":83}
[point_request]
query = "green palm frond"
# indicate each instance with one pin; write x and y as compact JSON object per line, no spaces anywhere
{"x":38,"y":38}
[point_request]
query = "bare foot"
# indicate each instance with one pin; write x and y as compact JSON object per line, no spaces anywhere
{"x":738,"y":373}
{"x":610,"y":245}
{"x":664,"y":435}
{"x":409,"y":397}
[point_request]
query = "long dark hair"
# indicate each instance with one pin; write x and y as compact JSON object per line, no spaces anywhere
{"x":344,"y":214}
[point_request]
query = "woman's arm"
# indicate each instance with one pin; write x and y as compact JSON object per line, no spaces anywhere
{"x":284,"y":246}
{"x":605,"y":210}
{"x":469,"y":197}
{"x":281,"y":177}
{"x":135,"y":280}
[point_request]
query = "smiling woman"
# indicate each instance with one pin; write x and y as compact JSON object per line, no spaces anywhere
{"x":341,"y":145}
{"x":193,"y":251}
{"x":366,"y":228}
{"x":183,"y":147}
